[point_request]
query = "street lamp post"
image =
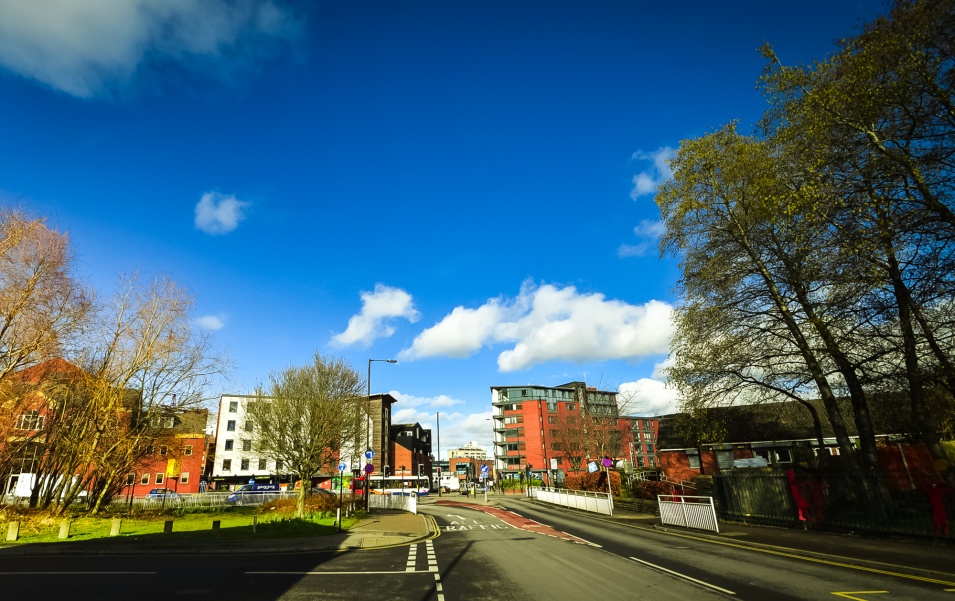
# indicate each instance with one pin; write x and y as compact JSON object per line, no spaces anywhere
{"x":368,"y":430}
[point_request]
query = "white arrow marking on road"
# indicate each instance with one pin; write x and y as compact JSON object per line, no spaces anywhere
{"x":454,"y":515}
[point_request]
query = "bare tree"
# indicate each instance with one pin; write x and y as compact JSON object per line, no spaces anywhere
{"x":305,"y":416}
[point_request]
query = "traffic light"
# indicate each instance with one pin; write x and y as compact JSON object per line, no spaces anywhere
{"x":386,"y":468}
{"x":420,"y":470}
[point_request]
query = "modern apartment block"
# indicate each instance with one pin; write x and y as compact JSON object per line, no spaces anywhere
{"x":528,"y":435}
{"x":237,"y":463}
{"x":469,"y":451}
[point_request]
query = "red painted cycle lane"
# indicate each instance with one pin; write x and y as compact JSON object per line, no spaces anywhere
{"x":518,"y":521}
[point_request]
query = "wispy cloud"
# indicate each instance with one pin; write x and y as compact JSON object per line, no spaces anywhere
{"x":647,"y":181}
{"x":219,"y":214}
{"x":546,"y":323}
{"x":378,"y":309}
{"x":650,"y":396}
{"x":647,"y":233}
{"x":89,"y":49}
{"x":457,"y":429}
{"x":211,"y":322}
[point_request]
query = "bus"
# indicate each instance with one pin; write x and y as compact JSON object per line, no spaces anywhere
{"x":399,"y":485}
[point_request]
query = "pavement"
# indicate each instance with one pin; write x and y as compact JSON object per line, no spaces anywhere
{"x":383,"y":528}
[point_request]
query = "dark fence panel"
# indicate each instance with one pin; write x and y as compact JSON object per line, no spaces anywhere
{"x":834,"y":502}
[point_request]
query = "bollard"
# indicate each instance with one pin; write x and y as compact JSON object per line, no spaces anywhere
{"x":64,"y":529}
{"x":13,"y":531}
{"x":215,"y":525}
{"x":116,"y":527}
{"x":167,"y":527}
{"x":255,"y":520}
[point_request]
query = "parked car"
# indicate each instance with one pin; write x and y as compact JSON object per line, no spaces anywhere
{"x":252,"y":493}
{"x":162,"y":493}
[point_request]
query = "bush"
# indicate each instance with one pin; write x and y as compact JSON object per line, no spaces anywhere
{"x":594,"y":482}
{"x":321,"y":504}
{"x":649,"y":489}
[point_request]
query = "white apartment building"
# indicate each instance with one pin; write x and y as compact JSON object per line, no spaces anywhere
{"x":468,"y":451}
{"x":235,"y":462}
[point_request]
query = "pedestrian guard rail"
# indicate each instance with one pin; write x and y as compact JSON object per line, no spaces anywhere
{"x":688,"y":511}
{"x":585,"y":500}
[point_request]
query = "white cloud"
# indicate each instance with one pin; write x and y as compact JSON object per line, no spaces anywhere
{"x":377,"y":308}
{"x":649,"y":397}
{"x":647,"y":233}
{"x":218,"y":213}
{"x":548,"y":323}
{"x":211,"y":322}
{"x":646,"y":182}
{"x":90,"y":49}
{"x":457,"y":429}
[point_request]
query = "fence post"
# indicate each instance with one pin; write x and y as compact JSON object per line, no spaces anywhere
{"x":167,"y":527}
{"x":215,"y":525}
{"x":64,"y":529}
{"x":13,"y":532}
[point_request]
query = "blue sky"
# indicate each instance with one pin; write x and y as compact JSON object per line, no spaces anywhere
{"x":463,"y":186}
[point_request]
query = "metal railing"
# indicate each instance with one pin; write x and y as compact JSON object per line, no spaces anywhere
{"x":585,"y":500}
{"x":688,"y":511}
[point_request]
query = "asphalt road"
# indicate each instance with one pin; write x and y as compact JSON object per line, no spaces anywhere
{"x":480,"y":553}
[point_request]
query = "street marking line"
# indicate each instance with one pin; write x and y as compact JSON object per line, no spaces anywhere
{"x":283,"y":573}
{"x":813,"y":559}
{"x":73,"y":573}
{"x":848,"y":595}
{"x":683,"y":576}
{"x":584,"y":541}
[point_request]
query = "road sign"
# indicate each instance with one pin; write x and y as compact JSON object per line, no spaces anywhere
{"x":369,"y":454}
{"x":607,"y":462}
{"x":342,"y":467}
{"x":592,"y":467}
{"x":484,"y":469}
{"x":369,"y":468}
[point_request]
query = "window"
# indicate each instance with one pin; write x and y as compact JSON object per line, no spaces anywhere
{"x":144,"y":479}
{"x":160,"y":477}
{"x":551,"y":419}
{"x":31,"y":420}
{"x":130,"y":479}
{"x":245,"y":464}
{"x":233,"y":406}
{"x":247,"y":426}
{"x":163,"y":450}
{"x":278,"y":466}
{"x":230,"y":426}
{"x":262,"y":464}
{"x":694,"y":461}
{"x":571,"y":407}
{"x":226,"y":465}
{"x":246,"y":445}
{"x":187,"y":450}
{"x":784,"y":456}
{"x":228,"y":445}
{"x":555,"y":446}
{"x":184,"y":478}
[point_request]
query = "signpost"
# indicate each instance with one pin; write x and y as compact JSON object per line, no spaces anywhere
{"x":484,"y":470}
{"x":341,"y":491}
{"x":369,"y":469}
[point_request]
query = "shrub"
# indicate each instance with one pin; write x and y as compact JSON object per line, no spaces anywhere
{"x":594,"y":482}
{"x":649,"y":489}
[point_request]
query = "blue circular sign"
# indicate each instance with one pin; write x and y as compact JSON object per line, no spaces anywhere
{"x":342,"y":467}
{"x":369,"y":468}
{"x":369,"y":454}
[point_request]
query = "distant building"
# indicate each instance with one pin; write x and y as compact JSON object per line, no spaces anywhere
{"x":410,"y":450}
{"x":468,"y":451}
{"x":528,"y":419}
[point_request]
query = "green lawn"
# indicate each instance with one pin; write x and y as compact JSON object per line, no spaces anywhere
{"x":235,"y":524}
